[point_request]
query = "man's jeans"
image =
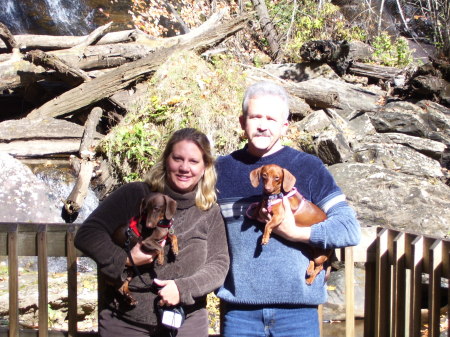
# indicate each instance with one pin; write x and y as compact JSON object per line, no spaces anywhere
{"x":273,"y":321}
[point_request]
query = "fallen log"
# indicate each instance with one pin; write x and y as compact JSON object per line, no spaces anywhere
{"x":65,"y":72}
{"x":94,"y":36}
{"x":50,"y":42}
{"x":374,"y":71}
{"x":121,"y":77}
{"x":75,"y":200}
{"x":315,"y":95}
{"x":49,"y":138}
{"x":345,"y":97}
{"x":337,"y":54}
{"x":16,"y":72}
{"x":7,"y":38}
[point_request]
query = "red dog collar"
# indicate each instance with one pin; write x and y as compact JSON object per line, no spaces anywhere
{"x":133,"y":225}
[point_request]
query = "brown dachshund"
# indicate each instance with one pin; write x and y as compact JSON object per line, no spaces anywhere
{"x":278,"y":183}
{"x":152,"y":227}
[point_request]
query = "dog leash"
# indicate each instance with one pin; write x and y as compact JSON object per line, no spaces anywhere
{"x":129,"y":232}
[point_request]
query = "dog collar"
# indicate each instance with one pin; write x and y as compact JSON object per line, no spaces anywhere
{"x":133,"y":226}
{"x":277,"y":198}
{"x":165,"y":223}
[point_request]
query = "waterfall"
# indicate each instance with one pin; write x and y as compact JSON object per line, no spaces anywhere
{"x":51,"y":17}
{"x":70,"y":16}
{"x":12,"y":15}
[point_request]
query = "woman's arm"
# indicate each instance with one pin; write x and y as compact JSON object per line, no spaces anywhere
{"x":94,"y":236}
{"x":213,"y":272}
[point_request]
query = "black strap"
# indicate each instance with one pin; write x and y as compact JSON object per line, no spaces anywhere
{"x":135,"y":268}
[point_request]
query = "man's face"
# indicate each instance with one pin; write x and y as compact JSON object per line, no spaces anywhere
{"x":264,"y":124}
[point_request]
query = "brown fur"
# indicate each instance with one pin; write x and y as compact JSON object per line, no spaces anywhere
{"x":277,"y":180}
{"x":154,"y":208}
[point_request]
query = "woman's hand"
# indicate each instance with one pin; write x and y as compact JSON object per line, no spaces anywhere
{"x":288,"y":229}
{"x":139,"y":257}
{"x":169,"y":293}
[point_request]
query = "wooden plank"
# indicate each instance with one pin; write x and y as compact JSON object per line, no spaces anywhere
{"x":434,"y":289}
{"x":56,"y":233}
{"x":13,"y":283}
{"x":369,"y":293}
{"x":320,"y":316}
{"x":398,"y":296}
{"x":42,"y":280}
{"x":382,"y":286}
{"x":71,"y":281}
{"x":349,"y":293}
{"x":416,"y":267}
{"x":52,"y":333}
{"x":446,"y":270}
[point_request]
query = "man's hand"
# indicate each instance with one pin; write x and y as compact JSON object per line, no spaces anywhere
{"x":288,"y":229}
{"x":140,"y":257}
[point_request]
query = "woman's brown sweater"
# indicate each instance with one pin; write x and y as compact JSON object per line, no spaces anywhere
{"x":199,"y":268}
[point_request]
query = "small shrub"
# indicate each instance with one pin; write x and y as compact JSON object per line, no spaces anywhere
{"x":185,"y":92}
{"x":393,"y":53}
{"x":311,"y":23}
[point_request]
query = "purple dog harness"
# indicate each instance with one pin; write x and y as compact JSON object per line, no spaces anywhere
{"x":273,"y":199}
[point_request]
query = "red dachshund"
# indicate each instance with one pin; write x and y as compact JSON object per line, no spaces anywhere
{"x":152,"y":227}
{"x":279,"y":183}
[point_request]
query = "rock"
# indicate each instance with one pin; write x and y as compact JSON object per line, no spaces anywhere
{"x":398,"y":158}
{"x":381,"y":196}
{"x":26,"y":197}
{"x":425,"y":119}
{"x":23,"y":197}
{"x":428,"y":147}
{"x":334,"y":308}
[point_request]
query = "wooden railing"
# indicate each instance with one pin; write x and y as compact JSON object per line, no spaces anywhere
{"x":395,"y":264}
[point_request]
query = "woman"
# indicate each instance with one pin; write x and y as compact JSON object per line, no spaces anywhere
{"x":186,"y":173}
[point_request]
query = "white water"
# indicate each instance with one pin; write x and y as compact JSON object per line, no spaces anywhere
{"x":67,"y":15}
{"x":52,"y":17}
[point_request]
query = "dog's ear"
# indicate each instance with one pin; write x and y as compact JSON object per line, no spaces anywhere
{"x":255,"y":176}
{"x":288,"y":180}
{"x":171,"y":207}
{"x":144,"y":204}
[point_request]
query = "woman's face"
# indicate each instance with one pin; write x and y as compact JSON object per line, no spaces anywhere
{"x":185,"y":166}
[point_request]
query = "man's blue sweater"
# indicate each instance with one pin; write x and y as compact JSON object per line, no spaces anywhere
{"x":275,"y":273}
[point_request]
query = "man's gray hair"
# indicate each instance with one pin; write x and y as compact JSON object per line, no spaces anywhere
{"x":265,"y":88}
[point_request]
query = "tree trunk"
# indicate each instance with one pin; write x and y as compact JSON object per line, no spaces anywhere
{"x":7,"y":38}
{"x":79,"y":192}
{"x":50,"y":42}
{"x":267,"y":27}
{"x":68,"y":74}
{"x":53,"y":137}
{"x":374,"y":71}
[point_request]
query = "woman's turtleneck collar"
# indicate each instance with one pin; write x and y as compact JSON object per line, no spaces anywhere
{"x":184,"y":200}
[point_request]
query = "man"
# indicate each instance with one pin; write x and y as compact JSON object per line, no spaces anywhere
{"x":265,"y":293}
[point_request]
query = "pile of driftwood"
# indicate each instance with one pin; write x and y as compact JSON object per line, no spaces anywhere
{"x":86,"y":74}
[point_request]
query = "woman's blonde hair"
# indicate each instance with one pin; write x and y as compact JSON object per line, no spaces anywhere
{"x":206,"y":192}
